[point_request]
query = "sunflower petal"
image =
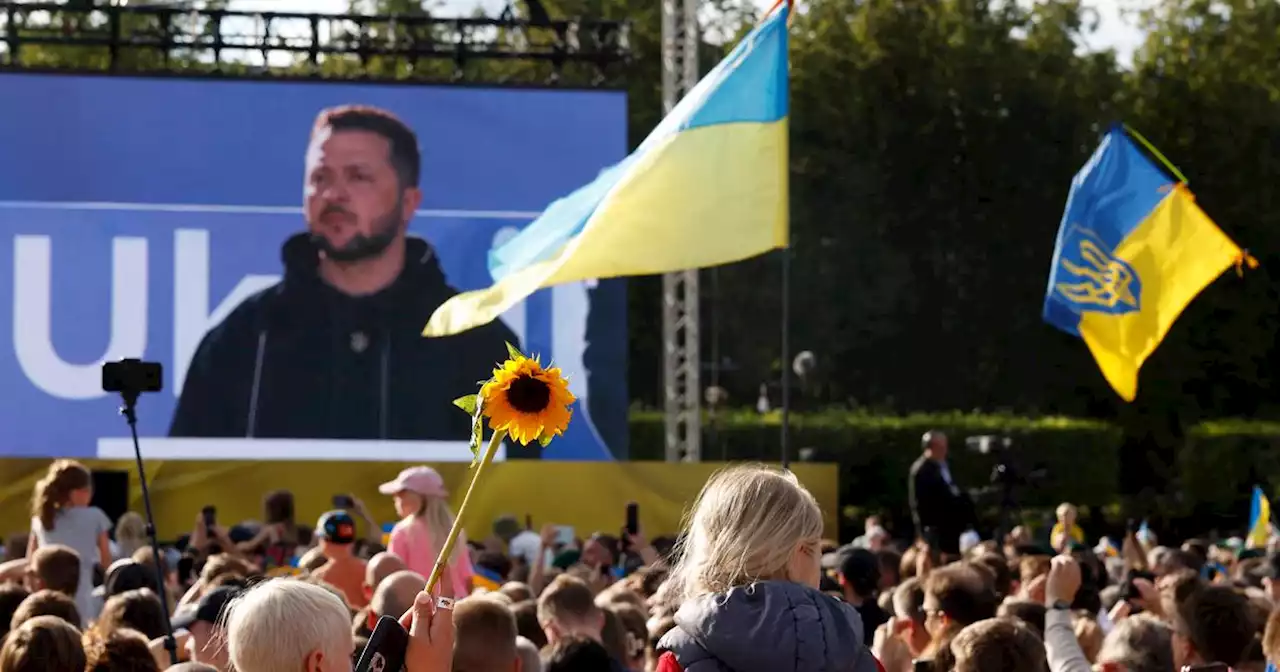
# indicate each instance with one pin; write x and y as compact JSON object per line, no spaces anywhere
{"x":467,"y":403}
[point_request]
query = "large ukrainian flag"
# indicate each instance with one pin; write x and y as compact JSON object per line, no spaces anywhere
{"x":707,"y":187}
{"x":1133,"y":250}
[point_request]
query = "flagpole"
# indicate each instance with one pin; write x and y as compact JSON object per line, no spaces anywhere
{"x":786,"y":355}
{"x":786,"y":320}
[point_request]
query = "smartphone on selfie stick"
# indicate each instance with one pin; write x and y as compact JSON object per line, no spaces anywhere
{"x":386,"y":649}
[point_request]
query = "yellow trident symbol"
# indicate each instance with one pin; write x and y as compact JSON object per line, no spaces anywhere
{"x":1107,"y":282}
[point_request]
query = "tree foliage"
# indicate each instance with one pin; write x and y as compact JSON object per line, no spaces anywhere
{"x":932,"y":148}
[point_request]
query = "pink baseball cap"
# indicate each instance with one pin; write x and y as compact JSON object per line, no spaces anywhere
{"x":418,"y":480}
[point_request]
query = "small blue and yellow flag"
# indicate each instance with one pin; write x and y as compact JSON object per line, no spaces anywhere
{"x":1259,"y":520}
{"x":707,"y":187}
{"x":483,"y":577}
{"x":1133,"y":250}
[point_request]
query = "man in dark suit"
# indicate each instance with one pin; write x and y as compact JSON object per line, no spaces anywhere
{"x":939,"y":509}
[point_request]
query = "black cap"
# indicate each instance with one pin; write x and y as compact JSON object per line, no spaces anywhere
{"x":210,"y":609}
{"x":238,"y":534}
{"x":860,"y":569}
{"x":337,"y":527}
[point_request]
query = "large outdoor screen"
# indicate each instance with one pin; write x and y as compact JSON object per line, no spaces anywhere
{"x":282,"y":269}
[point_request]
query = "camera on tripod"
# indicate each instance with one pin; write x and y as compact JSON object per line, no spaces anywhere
{"x":132,"y":377}
{"x":1006,"y":473}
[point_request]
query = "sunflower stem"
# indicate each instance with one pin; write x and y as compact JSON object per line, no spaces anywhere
{"x":446,"y":551}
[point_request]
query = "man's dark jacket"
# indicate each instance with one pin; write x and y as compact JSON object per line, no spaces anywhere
{"x":302,"y":360}
{"x":936,"y":506}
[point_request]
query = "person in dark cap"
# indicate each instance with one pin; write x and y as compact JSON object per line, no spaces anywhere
{"x":205,"y":621}
{"x":859,"y":578}
{"x":336,"y":531}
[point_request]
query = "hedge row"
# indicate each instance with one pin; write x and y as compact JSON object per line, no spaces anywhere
{"x":1215,"y":468}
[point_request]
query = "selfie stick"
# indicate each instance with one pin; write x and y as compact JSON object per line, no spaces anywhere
{"x":130,"y":413}
{"x":447,"y":550}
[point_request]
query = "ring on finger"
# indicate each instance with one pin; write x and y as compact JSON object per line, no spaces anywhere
{"x":444,"y":603}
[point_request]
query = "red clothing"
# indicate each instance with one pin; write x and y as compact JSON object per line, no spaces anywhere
{"x":667,"y":663}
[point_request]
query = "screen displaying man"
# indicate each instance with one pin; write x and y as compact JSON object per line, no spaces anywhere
{"x":334,"y":350}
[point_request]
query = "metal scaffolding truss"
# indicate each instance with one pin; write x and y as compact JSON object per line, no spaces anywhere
{"x":681,"y":361}
{"x":179,"y":38}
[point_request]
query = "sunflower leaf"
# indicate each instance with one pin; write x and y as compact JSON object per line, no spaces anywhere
{"x":513,"y":352}
{"x":477,"y":435}
{"x":477,"y":428}
{"x":467,"y":403}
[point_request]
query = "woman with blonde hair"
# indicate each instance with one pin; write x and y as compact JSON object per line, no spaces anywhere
{"x":131,"y":534}
{"x":425,"y":518}
{"x":746,"y":579}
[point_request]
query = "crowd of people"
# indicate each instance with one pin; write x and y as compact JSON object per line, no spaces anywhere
{"x":750,"y":585}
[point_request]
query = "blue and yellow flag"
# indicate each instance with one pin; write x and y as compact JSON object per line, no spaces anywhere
{"x":707,"y":187}
{"x":1133,"y":250}
{"x":1259,"y":521}
{"x":483,"y":577}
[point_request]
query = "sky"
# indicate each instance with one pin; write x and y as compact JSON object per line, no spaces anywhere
{"x":1115,"y":30}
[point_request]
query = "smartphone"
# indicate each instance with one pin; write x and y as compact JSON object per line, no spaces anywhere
{"x":1130,"y":592}
{"x":210,"y":515}
{"x":633,"y":518}
{"x":564,"y":535}
{"x":186,"y":569}
{"x":386,"y":649}
{"x":343,"y":502}
{"x":921,"y":665}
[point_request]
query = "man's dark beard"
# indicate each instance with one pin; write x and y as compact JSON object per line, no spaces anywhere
{"x":385,"y":231}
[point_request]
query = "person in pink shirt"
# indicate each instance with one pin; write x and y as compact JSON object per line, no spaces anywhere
{"x":425,"y":518}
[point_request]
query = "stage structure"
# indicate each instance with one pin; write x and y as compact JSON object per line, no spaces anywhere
{"x":681,"y":359}
{"x":183,"y":39}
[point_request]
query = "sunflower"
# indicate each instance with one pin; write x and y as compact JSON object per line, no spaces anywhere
{"x":528,"y":402}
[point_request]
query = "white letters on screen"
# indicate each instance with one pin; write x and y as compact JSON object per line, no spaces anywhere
{"x":33,"y":316}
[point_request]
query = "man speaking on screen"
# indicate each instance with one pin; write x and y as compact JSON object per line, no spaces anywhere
{"x":334,"y":350}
